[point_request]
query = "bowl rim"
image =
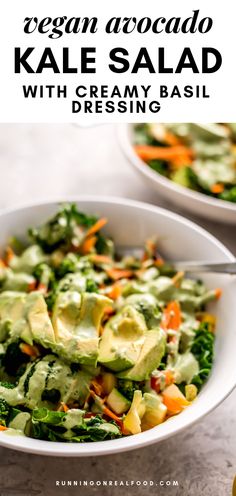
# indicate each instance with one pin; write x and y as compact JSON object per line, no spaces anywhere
{"x":127,"y":149}
{"x":48,"y":448}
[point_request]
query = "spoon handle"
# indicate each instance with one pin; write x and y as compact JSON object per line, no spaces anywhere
{"x":223,"y":268}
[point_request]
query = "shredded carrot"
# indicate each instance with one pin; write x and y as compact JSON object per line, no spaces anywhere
{"x":151,"y":246}
{"x":88,"y":245}
{"x":147,"y":152}
{"x":9,"y":255}
{"x":159,"y":262}
{"x":32,"y":286}
{"x":107,"y":411}
{"x":108,"y":311}
{"x":113,"y":416}
{"x":218,"y":293}
{"x":3,"y":428}
{"x":97,"y":398}
{"x":117,"y":274}
{"x":171,"y":139}
{"x":217,"y":188}
{"x":63,"y":407}
{"x":169,"y":377}
{"x":97,"y":387}
{"x":180,"y":161}
{"x":29,"y":350}
{"x":97,"y":226}
{"x":177,"y":278}
{"x":156,"y":381}
{"x":115,"y":292}
{"x":150,"y":251}
{"x":2,"y":264}
{"x":110,"y":414}
{"x":100,"y":259}
{"x":172,"y":316}
{"x":42,"y":287}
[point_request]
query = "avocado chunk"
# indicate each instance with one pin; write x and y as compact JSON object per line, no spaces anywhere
{"x":73,"y":332}
{"x":11,"y":306}
{"x":27,"y":317}
{"x":147,"y":305}
{"x":122,"y":339}
{"x":36,"y":324}
{"x":117,"y":402}
{"x":76,"y":321}
{"x":149,"y":358}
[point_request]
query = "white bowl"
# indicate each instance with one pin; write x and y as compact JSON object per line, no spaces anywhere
{"x":193,"y":201}
{"x":130,"y":223}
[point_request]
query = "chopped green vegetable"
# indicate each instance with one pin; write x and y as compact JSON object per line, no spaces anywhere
{"x":203,"y":350}
{"x":62,"y":230}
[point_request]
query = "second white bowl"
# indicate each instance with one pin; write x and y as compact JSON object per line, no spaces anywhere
{"x":193,"y":201}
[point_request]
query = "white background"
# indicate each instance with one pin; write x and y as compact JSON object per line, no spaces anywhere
{"x":221,"y":85}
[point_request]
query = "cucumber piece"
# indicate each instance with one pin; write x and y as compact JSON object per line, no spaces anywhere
{"x":117,"y":402}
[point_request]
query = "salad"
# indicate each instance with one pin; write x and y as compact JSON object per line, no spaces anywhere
{"x":201,"y":157}
{"x":93,"y":345}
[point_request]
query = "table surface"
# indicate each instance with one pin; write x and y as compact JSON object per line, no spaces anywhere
{"x":41,"y":162}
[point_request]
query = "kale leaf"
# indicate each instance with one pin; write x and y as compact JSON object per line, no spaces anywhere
{"x":203,"y":350}
{"x":51,"y":425}
{"x":62,"y":229}
{"x":229,"y":194}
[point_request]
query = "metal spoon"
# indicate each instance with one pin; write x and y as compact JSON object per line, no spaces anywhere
{"x":220,"y":267}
